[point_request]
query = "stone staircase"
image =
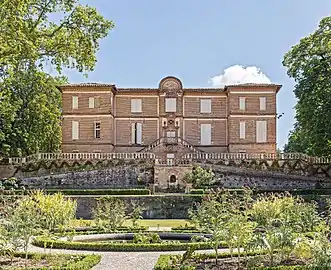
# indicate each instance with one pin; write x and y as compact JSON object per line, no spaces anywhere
{"x":177,"y":142}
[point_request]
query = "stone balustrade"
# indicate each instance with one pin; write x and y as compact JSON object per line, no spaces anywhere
{"x":185,"y":159}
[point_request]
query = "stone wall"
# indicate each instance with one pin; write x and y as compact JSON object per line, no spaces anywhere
{"x":156,"y":206}
{"x":236,"y":177}
{"x":123,"y":176}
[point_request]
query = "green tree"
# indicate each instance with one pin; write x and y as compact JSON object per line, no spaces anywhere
{"x":200,"y":177}
{"x":109,"y":213}
{"x":32,"y":40}
{"x":309,"y":64}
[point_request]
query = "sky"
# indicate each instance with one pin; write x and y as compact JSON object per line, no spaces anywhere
{"x":204,"y":43}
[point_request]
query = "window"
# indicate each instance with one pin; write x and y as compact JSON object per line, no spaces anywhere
{"x":75,"y":130}
{"x":205,"y":134}
{"x":136,"y":133}
{"x":74,"y":102}
{"x":170,"y":105}
{"x":242,"y":103}
{"x":91,"y":102}
{"x":261,"y":131}
{"x":242,"y":130}
{"x":263,"y":103}
{"x":205,"y":105}
{"x":136,"y":105}
{"x":97,"y":130}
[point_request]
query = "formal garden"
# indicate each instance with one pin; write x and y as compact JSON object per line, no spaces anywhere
{"x":225,"y":229}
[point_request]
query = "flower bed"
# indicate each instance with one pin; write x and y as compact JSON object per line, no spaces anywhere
{"x":38,"y":261}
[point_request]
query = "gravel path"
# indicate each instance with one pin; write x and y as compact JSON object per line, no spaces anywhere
{"x":121,"y":260}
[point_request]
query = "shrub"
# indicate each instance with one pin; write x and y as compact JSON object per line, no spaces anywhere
{"x":74,"y":262}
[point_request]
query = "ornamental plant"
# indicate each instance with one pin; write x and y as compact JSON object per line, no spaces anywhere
{"x":109,"y":213}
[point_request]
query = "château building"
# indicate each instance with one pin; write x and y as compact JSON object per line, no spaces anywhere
{"x":169,"y":119}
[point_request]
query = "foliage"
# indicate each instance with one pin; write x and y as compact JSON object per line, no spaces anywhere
{"x":308,"y":63}
{"x":54,"y":210}
{"x":200,"y":177}
{"x":221,"y":213}
{"x":136,"y":214}
{"x":30,"y":215}
{"x":150,"y":238}
{"x":61,"y":261}
{"x":109,"y":213}
{"x":32,"y":42}
{"x":11,"y":184}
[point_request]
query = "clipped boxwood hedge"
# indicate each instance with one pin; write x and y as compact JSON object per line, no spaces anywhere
{"x":86,"y":263}
{"x":94,"y":246}
{"x":135,"y":191}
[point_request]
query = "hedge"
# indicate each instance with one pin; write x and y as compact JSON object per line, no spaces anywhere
{"x":164,"y":261}
{"x":93,"y":246}
{"x":86,"y":263}
{"x":135,"y":191}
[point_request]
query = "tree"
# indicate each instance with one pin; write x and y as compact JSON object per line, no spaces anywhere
{"x":218,"y":214}
{"x":309,"y":64}
{"x":109,"y":213}
{"x":136,"y":214}
{"x":30,"y":41}
{"x":200,"y":177}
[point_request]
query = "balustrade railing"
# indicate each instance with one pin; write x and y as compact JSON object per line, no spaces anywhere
{"x":185,"y":159}
{"x":81,"y":156}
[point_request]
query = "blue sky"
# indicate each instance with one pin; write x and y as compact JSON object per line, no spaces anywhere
{"x":195,"y":40}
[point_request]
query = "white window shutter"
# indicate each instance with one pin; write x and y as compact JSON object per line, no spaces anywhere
{"x":91,"y":102}
{"x":75,"y":130}
{"x":135,"y":105}
{"x":263,"y":103}
{"x":261,"y":131}
{"x":139,"y":133}
{"x":133,"y":133}
{"x":205,"y":105}
{"x":170,"y":105}
{"x":242,"y":103}
{"x":75,"y":102}
{"x":205,"y":134}
{"x":242,"y":130}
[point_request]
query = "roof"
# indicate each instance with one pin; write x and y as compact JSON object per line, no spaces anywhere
{"x":87,"y":85}
{"x":207,"y":89}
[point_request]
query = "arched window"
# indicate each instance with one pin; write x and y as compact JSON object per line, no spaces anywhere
{"x":173,"y":179}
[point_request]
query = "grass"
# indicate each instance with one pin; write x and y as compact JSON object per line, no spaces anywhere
{"x":143,"y":222}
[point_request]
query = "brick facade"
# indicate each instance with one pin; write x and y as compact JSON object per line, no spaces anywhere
{"x":236,"y":118}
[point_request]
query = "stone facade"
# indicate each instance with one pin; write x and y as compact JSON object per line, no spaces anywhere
{"x":104,"y":118}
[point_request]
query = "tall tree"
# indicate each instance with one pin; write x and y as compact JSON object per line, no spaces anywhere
{"x":309,"y":64}
{"x":33,"y":37}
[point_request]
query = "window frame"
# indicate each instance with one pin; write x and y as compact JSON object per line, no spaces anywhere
{"x":173,"y":108}
{"x":97,"y":130}
{"x":205,"y":105}
{"x":136,"y":105}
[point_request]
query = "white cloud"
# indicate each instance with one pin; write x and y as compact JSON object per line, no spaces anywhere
{"x":239,"y":74}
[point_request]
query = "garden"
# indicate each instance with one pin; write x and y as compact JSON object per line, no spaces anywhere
{"x":240,"y":228}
